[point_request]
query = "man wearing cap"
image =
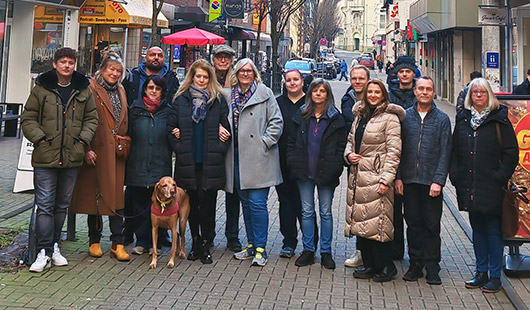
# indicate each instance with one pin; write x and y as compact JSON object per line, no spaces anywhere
{"x":222,"y":62}
{"x":403,"y":96}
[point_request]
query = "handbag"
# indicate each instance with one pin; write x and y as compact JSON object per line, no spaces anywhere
{"x":510,"y":202}
{"x":123,"y":145}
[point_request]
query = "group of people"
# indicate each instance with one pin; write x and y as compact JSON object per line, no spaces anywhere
{"x":229,"y":132}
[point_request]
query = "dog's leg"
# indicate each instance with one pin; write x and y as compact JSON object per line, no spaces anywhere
{"x":182,"y":237}
{"x":174,"y":238}
{"x":154,"y":232}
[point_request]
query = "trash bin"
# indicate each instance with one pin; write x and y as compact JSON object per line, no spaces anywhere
{"x":11,"y":126}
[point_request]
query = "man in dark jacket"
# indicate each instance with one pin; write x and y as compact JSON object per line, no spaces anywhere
{"x":152,"y":64}
{"x":60,"y":119}
{"x":524,"y":87}
{"x":425,"y":156}
{"x":463,"y":93}
{"x":359,"y":76}
{"x":403,"y":96}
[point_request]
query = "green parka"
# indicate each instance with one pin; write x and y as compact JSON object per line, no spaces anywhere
{"x":61,"y":129}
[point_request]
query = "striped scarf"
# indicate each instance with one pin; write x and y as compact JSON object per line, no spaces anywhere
{"x":239,"y":99}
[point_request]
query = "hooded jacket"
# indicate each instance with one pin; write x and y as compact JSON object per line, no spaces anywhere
{"x":65,"y":130}
{"x":369,"y":214}
{"x":135,"y":80}
{"x":402,"y":97}
{"x":347,"y":102}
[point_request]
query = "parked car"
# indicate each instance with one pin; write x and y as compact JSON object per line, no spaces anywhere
{"x":367,"y":62}
{"x":306,"y":67}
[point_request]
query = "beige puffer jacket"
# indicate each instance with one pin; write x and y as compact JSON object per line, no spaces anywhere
{"x":369,"y":214}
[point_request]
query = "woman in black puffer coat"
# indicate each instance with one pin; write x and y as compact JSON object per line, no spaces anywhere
{"x":199,"y":138}
{"x":481,"y":166}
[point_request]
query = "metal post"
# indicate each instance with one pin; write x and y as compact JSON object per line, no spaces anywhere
{"x":508,"y":30}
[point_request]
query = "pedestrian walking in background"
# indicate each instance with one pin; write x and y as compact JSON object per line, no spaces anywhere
{"x":252,"y":160}
{"x":401,"y":92}
{"x":425,"y":155}
{"x":314,"y":156}
{"x":483,"y":159}
{"x":62,"y":98}
{"x":372,"y":153}
{"x":359,"y":77}
{"x":150,"y":157}
{"x":343,"y":70}
{"x":463,"y":93}
{"x":197,"y":112}
{"x":99,"y":187}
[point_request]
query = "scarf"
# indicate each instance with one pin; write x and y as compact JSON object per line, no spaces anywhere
{"x":239,"y":99}
{"x":112,"y":91}
{"x":477,"y":118}
{"x":200,"y":103}
{"x":151,"y":105}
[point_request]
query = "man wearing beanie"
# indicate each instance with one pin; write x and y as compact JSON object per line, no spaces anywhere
{"x":403,"y":96}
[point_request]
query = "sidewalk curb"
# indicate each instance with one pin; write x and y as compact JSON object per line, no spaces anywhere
{"x":506,"y":282}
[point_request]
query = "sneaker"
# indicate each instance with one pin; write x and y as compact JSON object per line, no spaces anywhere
{"x":414,"y":273}
{"x":247,"y":253}
{"x":261,"y":257}
{"x":306,"y":258}
{"x":355,"y":260}
{"x":138,"y":250}
{"x":327,"y":261}
{"x":287,"y":252}
{"x":42,"y":262}
{"x":57,"y":258}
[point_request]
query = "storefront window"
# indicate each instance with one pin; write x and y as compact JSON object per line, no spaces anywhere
{"x":47,"y":37}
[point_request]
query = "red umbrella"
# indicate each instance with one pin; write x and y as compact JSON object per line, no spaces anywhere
{"x":194,"y":36}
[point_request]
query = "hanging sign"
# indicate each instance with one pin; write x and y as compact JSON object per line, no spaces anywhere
{"x":492,"y":15}
{"x":215,"y":10}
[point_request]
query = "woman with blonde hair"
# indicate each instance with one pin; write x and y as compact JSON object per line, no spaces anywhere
{"x":198,"y":111}
{"x":373,"y":153}
{"x":483,"y":158}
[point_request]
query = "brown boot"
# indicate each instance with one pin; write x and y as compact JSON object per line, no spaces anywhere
{"x":118,"y":252}
{"x":95,"y":250}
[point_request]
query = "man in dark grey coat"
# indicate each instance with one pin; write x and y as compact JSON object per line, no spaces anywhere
{"x":426,"y":151}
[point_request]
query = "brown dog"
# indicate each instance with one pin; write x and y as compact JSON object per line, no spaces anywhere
{"x":166,"y":197}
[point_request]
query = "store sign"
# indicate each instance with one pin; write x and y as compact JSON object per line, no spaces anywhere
{"x":492,"y":16}
{"x":48,"y":15}
{"x":94,"y":8}
{"x":215,"y":10}
{"x":394,"y":14}
{"x":113,"y":13}
{"x":234,"y":9}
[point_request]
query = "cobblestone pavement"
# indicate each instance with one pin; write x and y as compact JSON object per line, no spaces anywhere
{"x":104,"y":283}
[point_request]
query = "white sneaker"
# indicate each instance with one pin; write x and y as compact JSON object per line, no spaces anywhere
{"x":57,"y":258}
{"x":42,"y":262}
{"x":355,"y":260}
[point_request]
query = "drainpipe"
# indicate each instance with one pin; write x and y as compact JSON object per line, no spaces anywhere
{"x":508,"y":38}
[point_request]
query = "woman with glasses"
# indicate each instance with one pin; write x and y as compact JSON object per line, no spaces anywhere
{"x":252,"y":161}
{"x":99,"y":185}
{"x":314,"y":154}
{"x":150,"y":157}
{"x":484,"y":157}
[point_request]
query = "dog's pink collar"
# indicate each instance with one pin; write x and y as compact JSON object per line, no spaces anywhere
{"x":167,"y":212}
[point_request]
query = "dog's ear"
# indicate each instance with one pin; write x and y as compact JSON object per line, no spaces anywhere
{"x":155,"y":192}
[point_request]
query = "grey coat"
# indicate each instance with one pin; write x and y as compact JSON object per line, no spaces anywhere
{"x":260,"y":129}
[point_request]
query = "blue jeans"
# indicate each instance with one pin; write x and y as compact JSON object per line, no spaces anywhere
{"x":255,"y":213}
{"x":487,"y":243}
{"x":53,"y":193}
{"x":325,"y":199}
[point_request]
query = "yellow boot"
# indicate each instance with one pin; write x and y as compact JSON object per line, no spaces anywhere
{"x":118,"y":252}
{"x":95,"y":250}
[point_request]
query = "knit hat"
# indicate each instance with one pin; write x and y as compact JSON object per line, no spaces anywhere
{"x":405,"y":62}
{"x":223,"y":49}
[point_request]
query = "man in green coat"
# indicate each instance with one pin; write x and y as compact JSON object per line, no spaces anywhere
{"x":60,"y":119}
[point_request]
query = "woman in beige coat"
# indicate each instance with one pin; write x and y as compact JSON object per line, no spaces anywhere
{"x":103,"y":173}
{"x":373,"y":152}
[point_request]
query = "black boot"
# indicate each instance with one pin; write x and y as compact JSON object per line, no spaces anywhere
{"x":480,"y":279}
{"x":387,"y":274}
{"x":414,"y":273}
{"x":206,"y":257}
{"x":195,"y":249}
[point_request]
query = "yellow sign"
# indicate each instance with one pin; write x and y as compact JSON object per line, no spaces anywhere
{"x":215,"y":10}
{"x":48,"y":15}
{"x":93,"y":8}
{"x":114,"y":13}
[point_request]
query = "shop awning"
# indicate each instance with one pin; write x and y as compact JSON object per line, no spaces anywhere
{"x":252,"y":35}
{"x":424,"y":24}
{"x":132,"y":13}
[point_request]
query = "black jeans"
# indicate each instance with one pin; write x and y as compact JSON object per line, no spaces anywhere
{"x":398,"y":244}
{"x":53,"y":193}
{"x":202,"y":210}
{"x":290,"y":212}
{"x":375,"y":254}
{"x":423,"y":214}
{"x":233,"y":209}
{"x":140,"y":202}
{"x":95,"y":227}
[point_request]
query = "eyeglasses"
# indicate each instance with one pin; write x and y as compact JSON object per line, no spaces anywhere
{"x":151,"y":87}
{"x":479,"y":92}
{"x":223,"y":56}
{"x":246,"y":71}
